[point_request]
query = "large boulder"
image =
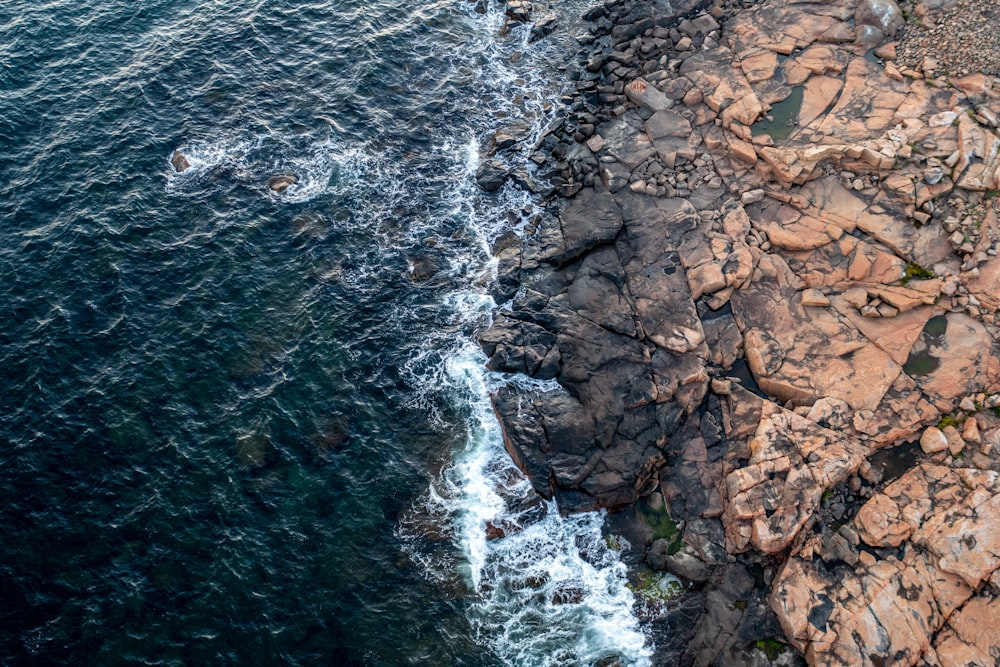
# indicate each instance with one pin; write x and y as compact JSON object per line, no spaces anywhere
{"x":180,"y":162}
{"x":882,"y":14}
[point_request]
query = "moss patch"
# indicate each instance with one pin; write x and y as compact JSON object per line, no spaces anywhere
{"x":947,"y":420}
{"x":656,"y":586}
{"x":771,"y":647}
{"x":914,"y":270}
{"x":663,"y":526}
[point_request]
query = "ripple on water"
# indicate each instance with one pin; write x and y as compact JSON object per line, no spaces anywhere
{"x":214,"y":395}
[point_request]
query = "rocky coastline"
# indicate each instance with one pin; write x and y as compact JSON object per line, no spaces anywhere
{"x":767,"y":285}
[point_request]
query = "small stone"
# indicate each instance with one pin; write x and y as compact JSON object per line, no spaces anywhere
{"x":856,"y":296}
{"x":595,"y":143}
{"x":955,"y":443}
{"x":933,"y":440}
{"x":722,"y":387}
{"x":752,"y":196}
{"x":870,"y":311}
{"x":933,"y":175}
{"x":970,"y":431}
{"x":815,"y":298}
{"x":885,"y":310}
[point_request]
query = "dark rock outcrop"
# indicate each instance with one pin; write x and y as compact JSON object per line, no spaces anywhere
{"x":613,"y":321}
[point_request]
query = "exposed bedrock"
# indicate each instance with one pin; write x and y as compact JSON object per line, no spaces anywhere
{"x":768,"y":300}
{"x":612,"y":320}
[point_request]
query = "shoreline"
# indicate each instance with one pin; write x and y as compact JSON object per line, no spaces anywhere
{"x":771,"y":276}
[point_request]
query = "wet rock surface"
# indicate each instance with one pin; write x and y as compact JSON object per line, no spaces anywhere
{"x":766,"y":288}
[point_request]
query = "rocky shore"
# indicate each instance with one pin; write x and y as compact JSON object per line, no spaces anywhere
{"x":768,"y":289}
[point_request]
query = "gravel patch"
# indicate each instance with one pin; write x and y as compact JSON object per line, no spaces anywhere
{"x":963,"y":36}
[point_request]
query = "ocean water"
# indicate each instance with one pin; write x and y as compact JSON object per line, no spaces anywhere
{"x":247,"y":428}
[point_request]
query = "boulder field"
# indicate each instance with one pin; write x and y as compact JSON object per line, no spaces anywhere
{"x":767,"y":288}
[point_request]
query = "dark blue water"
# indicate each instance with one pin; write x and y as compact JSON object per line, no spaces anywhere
{"x":238,"y":427}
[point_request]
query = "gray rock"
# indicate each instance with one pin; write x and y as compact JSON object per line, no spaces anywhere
{"x":687,"y":566}
{"x":546,"y":25}
{"x":590,"y":219}
{"x":491,"y":175}
{"x":882,"y":14}
{"x":508,"y":136}
{"x":667,"y":123}
{"x":617,"y":328}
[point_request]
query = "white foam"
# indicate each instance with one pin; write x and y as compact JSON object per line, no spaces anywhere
{"x":321,"y":166}
{"x":550,"y":592}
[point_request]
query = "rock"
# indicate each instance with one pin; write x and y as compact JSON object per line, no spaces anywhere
{"x":644,"y":94}
{"x":882,"y":14}
{"x":954,"y":439}
{"x":633,"y":366}
{"x":508,"y":137}
{"x":700,"y":250}
{"x":278,"y":184}
{"x":970,"y":633}
{"x":895,"y":603}
{"x":933,"y":441}
{"x":543,"y":26}
{"x":180,"y":162}
{"x":667,"y":123}
{"x":970,"y":431}
{"x":742,"y":150}
{"x":658,"y":553}
{"x":815,"y":298}
{"x":421,"y":267}
{"x":792,"y":462}
{"x":705,"y":279}
{"x":688,"y":567}
{"x":252,"y":449}
{"x":967,"y":362}
{"x":801,"y":355}
{"x":518,"y":10}
{"x":491,"y":175}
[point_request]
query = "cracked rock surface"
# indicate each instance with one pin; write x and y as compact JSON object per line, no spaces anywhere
{"x":768,"y":296}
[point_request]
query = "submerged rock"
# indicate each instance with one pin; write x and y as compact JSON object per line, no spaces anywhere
{"x":421,"y":267}
{"x":180,"y":162}
{"x":281,"y":183}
